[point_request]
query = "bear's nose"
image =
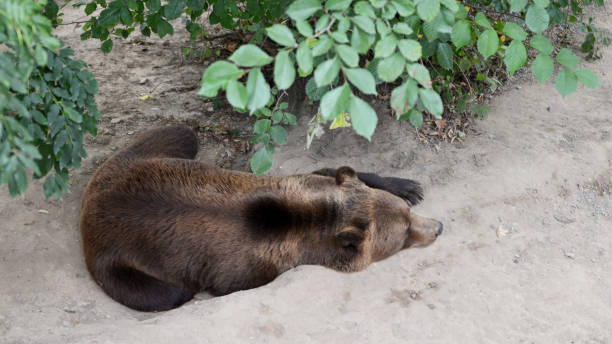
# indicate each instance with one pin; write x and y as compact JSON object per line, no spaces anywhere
{"x":440,"y":228}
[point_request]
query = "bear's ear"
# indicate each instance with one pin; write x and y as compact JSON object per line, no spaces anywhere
{"x":350,"y":238}
{"x":345,"y":174}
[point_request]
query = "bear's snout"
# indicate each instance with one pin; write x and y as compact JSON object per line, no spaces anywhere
{"x":423,"y":231}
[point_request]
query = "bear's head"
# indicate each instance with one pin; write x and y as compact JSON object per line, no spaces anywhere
{"x":374,"y":225}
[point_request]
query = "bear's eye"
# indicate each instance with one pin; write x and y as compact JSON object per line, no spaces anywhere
{"x":361,"y":223}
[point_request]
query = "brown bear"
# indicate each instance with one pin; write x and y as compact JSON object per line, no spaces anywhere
{"x":158,"y":226}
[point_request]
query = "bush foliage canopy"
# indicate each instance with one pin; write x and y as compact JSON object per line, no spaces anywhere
{"x":344,"y":49}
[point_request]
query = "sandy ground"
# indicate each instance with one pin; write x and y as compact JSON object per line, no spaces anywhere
{"x":526,"y":256}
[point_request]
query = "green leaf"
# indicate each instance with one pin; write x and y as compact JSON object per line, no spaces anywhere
{"x":405,"y":8}
{"x":321,"y":23}
{"x":420,"y":74}
{"x":74,"y":115}
{"x":541,"y":44}
{"x":378,"y":3}
{"x":25,"y":161}
{"x":391,"y":68}
{"x":432,"y":102}
{"x":313,"y":92}
{"x":450,"y":4}
{"x":40,"y":55}
{"x":416,"y":118}
{"x":488,"y":43}
{"x":365,"y":9}
{"x":588,"y":78}
{"x":461,"y":34}
{"x":282,"y":35}
{"x":515,"y":57}
{"x":385,"y":47}
{"x":567,"y":58}
{"x":335,"y":101}
{"x":304,"y":28}
{"x":107,"y":46}
{"x":262,"y":126}
{"x":428,"y":9}
{"x":360,"y":41}
{"x":444,"y":56}
{"x":237,"y":94}
{"x":400,"y":102}
{"x":402,"y":28}
{"x":18,"y":182}
{"x":364,"y":23}
{"x":536,"y":19}
{"x":126,"y":16}
{"x":514,"y":31}
{"x":302,"y":9}
{"x":362,"y":79}
{"x":164,"y":28}
{"x":304,"y":59}
{"x":250,"y":55}
{"x":382,"y":28}
{"x":337,"y":5}
{"x":290,"y":119}
{"x":284,"y":72}
{"x":542,"y":3}
{"x":339,"y":37}
{"x":278,"y":134}
{"x":59,"y":141}
{"x":216,"y":76}
{"x":363,"y":117}
{"x":482,"y":20}
{"x":261,"y":161}
{"x":542,"y":67}
{"x":258,"y":90}
{"x":566,"y":82}
{"x":327,"y":71}
{"x":322,"y":46}
{"x":90,"y":8}
{"x":517,"y":5}
{"x":173,"y":9}
{"x":349,"y":56}
{"x":410,"y":48}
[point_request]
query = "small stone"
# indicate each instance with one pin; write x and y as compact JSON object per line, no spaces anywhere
{"x":116,"y":120}
{"x":569,"y":255}
{"x":131,"y":132}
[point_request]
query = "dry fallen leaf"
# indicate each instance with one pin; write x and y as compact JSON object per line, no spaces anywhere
{"x":441,"y":124}
{"x":231,"y":46}
{"x":502,"y":232}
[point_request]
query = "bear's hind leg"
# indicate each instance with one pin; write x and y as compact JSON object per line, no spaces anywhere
{"x":142,"y":292}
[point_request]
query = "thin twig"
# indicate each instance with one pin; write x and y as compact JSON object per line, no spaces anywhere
{"x":76,"y":22}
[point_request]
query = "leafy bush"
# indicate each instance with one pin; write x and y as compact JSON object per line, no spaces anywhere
{"x":151,"y":16}
{"x":347,"y":47}
{"x":46,"y":99}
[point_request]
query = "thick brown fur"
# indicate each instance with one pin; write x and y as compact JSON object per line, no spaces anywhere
{"x":158,"y":226}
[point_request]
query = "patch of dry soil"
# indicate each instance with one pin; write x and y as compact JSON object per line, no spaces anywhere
{"x":526,"y":256}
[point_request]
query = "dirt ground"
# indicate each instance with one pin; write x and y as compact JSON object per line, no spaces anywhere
{"x":526,"y":255}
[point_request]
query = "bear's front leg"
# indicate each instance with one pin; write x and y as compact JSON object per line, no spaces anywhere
{"x":407,"y":189}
